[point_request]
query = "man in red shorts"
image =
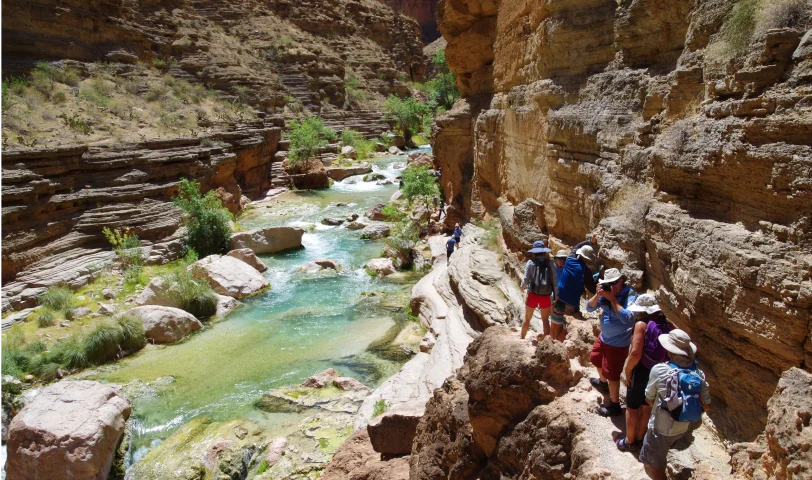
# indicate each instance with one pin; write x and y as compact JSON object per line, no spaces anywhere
{"x":541,"y":282}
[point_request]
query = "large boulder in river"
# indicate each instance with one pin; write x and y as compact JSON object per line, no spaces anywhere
{"x":376,"y":230}
{"x":69,"y":430}
{"x":375,"y":212}
{"x":157,"y":293}
{"x":340,"y":173}
{"x":248,"y":256}
{"x":381,"y":266}
{"x":229,"y":276}
{"x":165,"y":324}
{"x":268,"y":240}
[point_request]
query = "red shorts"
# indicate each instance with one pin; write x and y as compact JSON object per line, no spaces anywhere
{"x":608,"y":359}
{"x":538,"y":301}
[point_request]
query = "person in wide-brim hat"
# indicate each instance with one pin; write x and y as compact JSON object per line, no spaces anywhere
{"x":539,"y":247}
{"x":541,"y":282}
{"x":678,"y":342}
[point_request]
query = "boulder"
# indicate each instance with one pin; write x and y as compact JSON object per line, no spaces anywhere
{"x":165,"y":324}
{"x":78,"y":313}
{"x":398,"y":141}
{"x":380,"y":147}
{"x":381,"y":266}
{"x":356,"y":459}
{"x":393,"y":432}
{"x":420,"y":159}
{"x":393,"y":150}
{"x":157,"y":293}
{"x":276,"y":450}
{"x":348,"y":384}
{"x":108,"y":294}
{"x":225,"y":304}
{"x":327,"y":263}
{"x":376,"y":230}
{"x":69,"y":430}
{"x":353,"y":217}
{"x":248,"y":256}
{"x":268,"y":240}
{"x":107,"y":309}
{"x":375,"y":212}
{"x":356,"y":225}
{"x":321,"y":380}
{"x":371,"y":177}
{"x":332,"y":221}
{"x":229,"y":276}
{"x":349,"y":152}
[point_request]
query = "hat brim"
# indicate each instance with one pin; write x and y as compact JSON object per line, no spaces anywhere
{"x":636,"y":309}
{"x":539,"y":250}
{"x":668,"y":345}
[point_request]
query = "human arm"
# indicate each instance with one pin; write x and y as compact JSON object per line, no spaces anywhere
{"x":526,"y":279}
{"x":555,"y":277}
{"x":577,"y":246}
{"x":636,"y":353}
{"x":653,"y":387}
{"x":593,"y":302}
{"x":589,"y":281}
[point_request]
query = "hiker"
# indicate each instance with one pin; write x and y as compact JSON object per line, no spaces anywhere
{"x":560,"y":259}
{"x":540,"y":281}
{"x":574,"y":278}
{"x":442,"y":208}
{"x":612,"y":345}
{"x":645,"y":353}
{"x":449,"y":247}
{"x":678,"y":394}
{"x":457,"y":233}
{"x":591,"y":241}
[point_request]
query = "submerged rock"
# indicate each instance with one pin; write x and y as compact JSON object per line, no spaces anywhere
{"x":69,"y":430}
{"x":356,"y":225}
{"x":229,"y":276}
{"x":332,"y":221}
{"x":165,"y":324}
{"x":372,"y":177}
{"x":268,"y":240}
{"x":322,"y":379}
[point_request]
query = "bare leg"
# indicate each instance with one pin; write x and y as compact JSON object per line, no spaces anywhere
{"x":632,"y":419}
{"x":655,"y":473}
{"x":528,"y":315}
{"x":562,"y":335}
{"x":614,"y":391}
{"x":545,"y":319}
{"x":642,"y":425}
{"x":555,"y":330}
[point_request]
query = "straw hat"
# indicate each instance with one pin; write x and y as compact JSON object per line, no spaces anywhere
{"x":678,"y":342}
{"x":645,"y":303}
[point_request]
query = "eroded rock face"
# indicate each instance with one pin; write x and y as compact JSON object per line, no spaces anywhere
{"x":69,"y":430}
{"x":392,"y":432}
{"x":357,"y":459}
{"x":165,"y":324}
{"x":687,"y":168}
{"x":229,"y":276}
{"x":268,"y":240}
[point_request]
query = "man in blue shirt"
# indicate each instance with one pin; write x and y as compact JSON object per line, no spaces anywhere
{"x":612,"y":345}
{"x":575,"y":277}
{"x":449,"y":247}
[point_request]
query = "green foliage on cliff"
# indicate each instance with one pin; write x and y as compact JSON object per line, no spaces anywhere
{"x":207,"y":221}
{"x":443,"y":87}
{"x":306,"y":137}
{"x":407,"y":113}
{"x":419,"y":182}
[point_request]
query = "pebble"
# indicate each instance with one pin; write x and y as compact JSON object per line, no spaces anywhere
{"x":64,"y":324}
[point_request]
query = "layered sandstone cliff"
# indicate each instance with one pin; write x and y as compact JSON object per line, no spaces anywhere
{"x":266,"y":52}
{"x":693,"y":163}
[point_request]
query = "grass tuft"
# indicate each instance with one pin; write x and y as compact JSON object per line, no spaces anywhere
{"x":59,"y":299}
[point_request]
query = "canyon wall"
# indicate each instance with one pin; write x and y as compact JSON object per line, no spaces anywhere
{"x":633,"y":118}
{"x":265,"y":52}
{"x":424,"y":11}
{"x":56,"y":201}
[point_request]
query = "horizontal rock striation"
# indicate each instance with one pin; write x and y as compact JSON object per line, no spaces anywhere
{"x":631,"y":118}
{"x":56,"y":201}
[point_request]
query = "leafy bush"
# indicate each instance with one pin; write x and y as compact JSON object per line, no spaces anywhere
{"x":59,"y":299}
{"x":443,"y":87}
{"x":59,"y":97}
{"x":306,"y":137}
{"x":126,"y":245}
{"x":77,"y":124}
{"x":493,"y":230}
{"x":351,"y":137}
{"x":207,"y":221}
{"x":741,"y":23}
{"x":407,"y":113}
{"x":352,"y":89}
{"x":419,"y":182}
{"x":404,"y":236}
{"x":263,"y":467}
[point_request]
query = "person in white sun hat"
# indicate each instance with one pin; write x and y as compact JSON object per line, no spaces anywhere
{"x":575,"y":277}
{"x":679,"y":394}
{"x":646,"y":352}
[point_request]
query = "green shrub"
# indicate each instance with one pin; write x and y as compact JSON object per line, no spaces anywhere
{"x":155,"y":92}
{"x":58,"y":299}
{"x":45,"y":318}
{"x":195,"y":296}
{"x":351,"y":137}
{"x":263,"y":467}
{"x":404,"y":236}
{"x":133,"y":337}
{"x":159,"y":64}
{"x":443,"y":87}
{"x":380,"y":407}
{"x":352,"y":89}
{"x":126,"y":245}
{"x":393,"y":213}
{"x":77,"y":124}
{"x":493,"y":230}
{"x":306,"y":137}
{"x":113,"y":339}
{"x":59,"y":97}
{"x":407,"y":113}
{"x":741,"y":23}
{"x":208,"y":229}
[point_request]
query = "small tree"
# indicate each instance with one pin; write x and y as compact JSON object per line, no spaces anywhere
{"x":443,"y":87}
{"x":207,"y":221}
{"x":419,"y":182}
{"x":306,"y":138}
{"x":407,"y":113}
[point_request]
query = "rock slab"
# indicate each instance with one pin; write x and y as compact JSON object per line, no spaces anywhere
{"x":229,"y":276}
{"x":268,"y":240}
{"x":70,"y":430}
{"x":165,"y":324}
{"x":393,"y":432}
{"x":248,"y":256}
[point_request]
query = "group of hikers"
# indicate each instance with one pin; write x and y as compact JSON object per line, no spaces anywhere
{"x":665,"y":390}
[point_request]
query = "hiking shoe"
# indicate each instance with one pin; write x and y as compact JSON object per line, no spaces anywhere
{"x":611,"y":410}
{"x":624,"y":446}
{"x":599,"y":386}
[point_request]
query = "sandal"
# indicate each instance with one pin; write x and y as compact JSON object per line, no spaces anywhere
{"x":624,"y":446}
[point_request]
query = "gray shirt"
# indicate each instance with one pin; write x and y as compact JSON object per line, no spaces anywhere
{"x":529,"y":266}
{"x":661,"y":420}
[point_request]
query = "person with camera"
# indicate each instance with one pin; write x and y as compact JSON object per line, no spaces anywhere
{"x":612,"y":346}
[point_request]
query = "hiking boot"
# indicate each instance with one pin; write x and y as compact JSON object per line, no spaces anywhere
{"x":599,"y":386}
{"x":611,"y":410}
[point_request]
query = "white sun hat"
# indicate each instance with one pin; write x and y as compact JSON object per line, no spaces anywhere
{"x":678,"y":342}
{"x":586,"y":252}
{"x":645,"y":303}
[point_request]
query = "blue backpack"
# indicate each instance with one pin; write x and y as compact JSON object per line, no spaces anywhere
{"x":682,"y":394}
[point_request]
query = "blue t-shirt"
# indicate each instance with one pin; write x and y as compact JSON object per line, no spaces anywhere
{"x":571,"y":282}
{"x":457,"y":233}
{"x":616,"y":328}
{"x":450,"y":244}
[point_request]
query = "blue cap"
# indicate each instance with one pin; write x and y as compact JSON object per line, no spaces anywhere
{"x":538,"y":247}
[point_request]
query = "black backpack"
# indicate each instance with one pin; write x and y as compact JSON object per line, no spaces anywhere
{"x":541,"y":281}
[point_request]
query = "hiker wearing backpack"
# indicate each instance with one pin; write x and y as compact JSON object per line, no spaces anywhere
{"x":646,"y":352}
{"x":450,"y":245}
{"x":612,"y":345}
{"x":575,"y":277}
{"x":457,"y":234}
{"x":679,"y":394}
{"x":541,"y":282}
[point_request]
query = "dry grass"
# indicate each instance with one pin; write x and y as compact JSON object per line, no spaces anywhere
{"x":630,"y":205}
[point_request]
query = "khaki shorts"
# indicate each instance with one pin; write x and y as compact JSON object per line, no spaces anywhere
{"x":655,"y":448}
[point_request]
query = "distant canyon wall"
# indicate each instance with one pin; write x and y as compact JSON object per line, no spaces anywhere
{"x":693,"y":161}
{"x":424,"y":11}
